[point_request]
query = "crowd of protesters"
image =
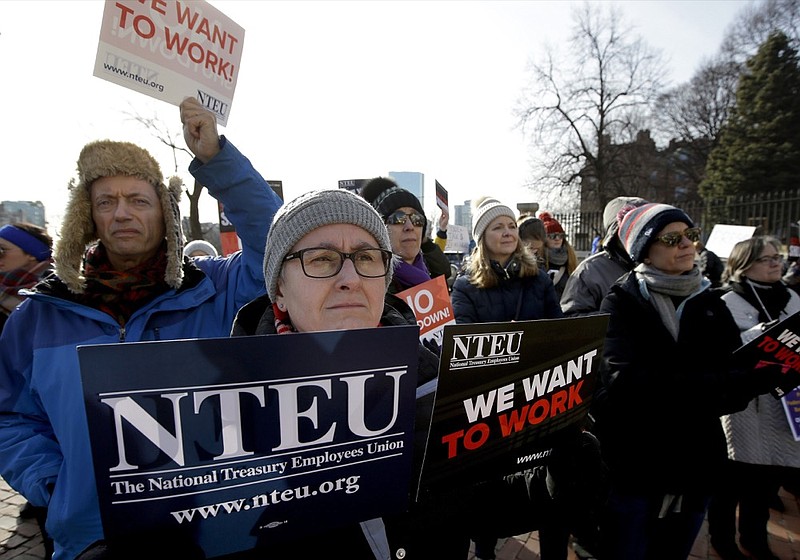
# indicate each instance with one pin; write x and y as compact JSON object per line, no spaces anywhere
{"x":679,"y":426}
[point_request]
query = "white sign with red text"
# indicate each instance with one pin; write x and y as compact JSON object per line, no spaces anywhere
{"x":170,"y":50}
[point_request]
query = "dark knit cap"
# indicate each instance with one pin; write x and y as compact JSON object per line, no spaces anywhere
{"x":641,"y":225}
{"x":386,"y":197}
{"x":310,"y":211}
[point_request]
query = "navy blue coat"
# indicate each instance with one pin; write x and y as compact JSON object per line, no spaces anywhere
{"x":513,"y":299}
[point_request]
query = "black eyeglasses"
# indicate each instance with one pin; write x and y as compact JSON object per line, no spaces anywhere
{"x":674,"y":237}
{"x":772,"y":259}
{"x":400,"y":217}
{"x":556,"y":236}
{"x":321,"y":262}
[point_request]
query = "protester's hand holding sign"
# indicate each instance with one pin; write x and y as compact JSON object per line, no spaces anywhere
{"x":199,"y":129}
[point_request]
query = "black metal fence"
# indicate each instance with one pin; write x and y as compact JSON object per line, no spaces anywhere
{"x":770,"y":213}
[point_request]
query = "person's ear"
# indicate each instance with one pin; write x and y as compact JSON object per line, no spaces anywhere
{"x":280,"y":300}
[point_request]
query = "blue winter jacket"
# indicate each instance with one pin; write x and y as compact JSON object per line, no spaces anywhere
{"x":44,"y":439}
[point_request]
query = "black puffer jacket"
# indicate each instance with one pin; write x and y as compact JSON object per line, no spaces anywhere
{"x":658,"y":402}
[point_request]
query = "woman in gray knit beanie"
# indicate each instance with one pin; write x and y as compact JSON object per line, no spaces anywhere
{"x":327,"y":266}
{"x":309,"y":243}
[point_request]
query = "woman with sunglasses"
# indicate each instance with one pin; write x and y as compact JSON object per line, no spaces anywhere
{"x":667,"y":375}
{"x":761,"y":447}
{"x":560,"y":257}
{"x":402,"y":212}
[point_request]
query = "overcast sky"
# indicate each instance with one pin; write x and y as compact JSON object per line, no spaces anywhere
{"x":327,"y":90}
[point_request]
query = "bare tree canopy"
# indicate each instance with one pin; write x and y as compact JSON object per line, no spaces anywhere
{"x":756,"y":23}
{"x":700,"y":108}
{"x":580,"y":107}
{"x":693,"y":114}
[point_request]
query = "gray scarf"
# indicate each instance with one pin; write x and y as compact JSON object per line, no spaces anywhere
{"x":659,"y":288}
{"x":558,"y":256}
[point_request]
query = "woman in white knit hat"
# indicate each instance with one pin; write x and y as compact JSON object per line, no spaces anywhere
{"x":667,"y":375}
{"x":504,"y":282}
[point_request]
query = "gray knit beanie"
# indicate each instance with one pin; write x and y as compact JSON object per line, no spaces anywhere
{"x":639,"y":227}
{"x":310,"y":211}
{"x":106,"y":158}
{"x":484,"y":210}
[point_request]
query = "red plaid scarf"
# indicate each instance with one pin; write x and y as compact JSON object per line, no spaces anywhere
{"x":121,"y":292}
{"x":13,"y":281}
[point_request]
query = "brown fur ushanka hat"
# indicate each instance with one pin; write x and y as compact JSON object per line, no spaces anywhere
{"x":106,"y":158}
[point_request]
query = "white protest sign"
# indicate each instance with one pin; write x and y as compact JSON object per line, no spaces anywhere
{"x":723,"y":237}
{"x":171,"y":50}
{"x":457,"y":239}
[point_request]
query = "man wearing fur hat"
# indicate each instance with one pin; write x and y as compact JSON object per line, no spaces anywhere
{"x":120,"y":275}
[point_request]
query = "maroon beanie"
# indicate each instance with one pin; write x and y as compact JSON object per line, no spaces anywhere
{"x":551,"y":225}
